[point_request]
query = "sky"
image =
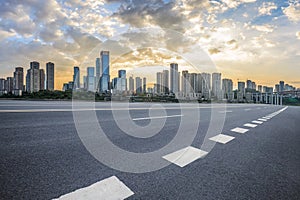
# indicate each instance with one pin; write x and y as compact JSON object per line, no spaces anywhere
{"x":242,"y":39}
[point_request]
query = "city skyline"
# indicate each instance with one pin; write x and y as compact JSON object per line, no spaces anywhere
{"x":164,"y":78}
{"x":241,"y":37}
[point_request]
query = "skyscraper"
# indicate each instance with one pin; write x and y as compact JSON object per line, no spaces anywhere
{"x":227,"y":87}
{"x":9,"y":84}
{"x":249,"y":84}
{"x":277,"y":88}
{"x":98,"y":72}
{"x":194,"y":82}
{"x":131,"y":84}
{"x":76,"y":77}
{"x":281,"y":86}
{"x":216,"y":85}
{"x":165,"y":81}
{"x":174,"y":78}
{"x":33,"y":77}
{"x":19,"y":79}
{"x":50,"y":76}
{"x":42,"y":79}
{"x":138,"y":85}
{"x":104,"y":68}
{"x":144,"y":85}
{"x":91,"y":79}
{"x":159,"y":82}
{"x":206,"y":85}
{"x":241,"y":87}
{"x":2,"y":84}
{"x":185,"y":82}
{"x":259,"y":88}
{"x":122,"y":80}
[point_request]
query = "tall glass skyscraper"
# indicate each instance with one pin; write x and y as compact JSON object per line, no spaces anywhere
{"x":50,"y":76}
{"x":91,"y":79}
{"x":98,"y":72}
{"x":76,"y":77}
{"x":174,"y":78}
{"x":104,"y":68}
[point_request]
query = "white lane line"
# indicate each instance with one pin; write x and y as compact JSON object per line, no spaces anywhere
{"x":239,"y":130}
{"x":260,"y":119}
{"x":107,"y":189}
{"x":227,"y":111}
{"x":185,"y":156}
{"x":250,"y":125}
{"x":257,"y":122}
{"x":158,"y":117}
{"x":266,"y":118}
{"x":221,"y":138}
{"x":247,"y":109}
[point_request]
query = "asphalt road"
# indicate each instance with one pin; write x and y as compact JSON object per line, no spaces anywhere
{"x":42,"y":156}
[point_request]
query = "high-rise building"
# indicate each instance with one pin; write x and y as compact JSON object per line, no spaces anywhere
{"x":144,"y":85}
{"x":33,"y":78}
{"x":206,"y":85}
{"x":249,"y":84}
{"x":120,"y":82}
{"x":227,"y":87}
{"x":98,"y":72}
{"x":194,"y":82}
{"x":90,"y":76}
{"x":159,"y":82}
{"x":104,"y":68}
{"x":281,"y":86}
{"x":199,"y":83}
{"x":259,"y":88}
{"x":241,"y":88}
{"x":76,"y":77}
{"x":85,"y":85}
{"x":216,"y":85}
{"x":174,"y":78}
{"x":277,"y":88}
{"x":18,"y":79}
{"x":185,"y":82}
{"x":2,"y":85}
{"x":138,"y":85}
{"x":50,"y":76}
{"x":254,"y":86}
{"x":9,"y":84}
{"x":131,"y":84}
{"x":165,"y":81}
{"x":42,"y":79}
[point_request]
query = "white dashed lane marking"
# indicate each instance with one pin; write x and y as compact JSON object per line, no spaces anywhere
{"x":108,"y":189}
{"x":239,"y":130}
{"x":221,"y":138}
{"x":250,"y":125}
{"x":264,"y":120}
{"x":257,"y":122}
{"x":185,"y":156}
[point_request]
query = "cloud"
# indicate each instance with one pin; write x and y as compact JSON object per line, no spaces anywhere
{"x":292,"y":12}
{"x":236,"y":3}
{"x":267,"y":8}
{"x":298,"y":35}
{"x":264,"y":28}
{"x":213,"y":51}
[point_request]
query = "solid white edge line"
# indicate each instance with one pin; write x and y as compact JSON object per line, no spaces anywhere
{"x":158,"y":117}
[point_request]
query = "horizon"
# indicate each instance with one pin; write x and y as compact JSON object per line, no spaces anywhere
{"x":247,"y":39}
